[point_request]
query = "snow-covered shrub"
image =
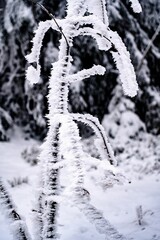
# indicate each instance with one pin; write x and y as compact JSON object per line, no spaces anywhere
{"x":30,"y":155}
{"x":121,"y":122}
{"x":62,"y":160}
{"x":18,"y":181}
{"x":137,"y":151}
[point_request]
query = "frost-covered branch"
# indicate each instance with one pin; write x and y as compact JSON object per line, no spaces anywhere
{"x":72,"y":152}
{"x":18,"y":226}
{"x":102,"y":41}
{"x":98,"y":9}
{"x":120,"y":54}
{"x":50,"y":189}
{"x":76,"y":8}
{"x":33,"y":71}
{"x":104,"y":147}
{"x":92,"y":20}
{"x":96,"y":218}
{"x":123,"y":62}
{"x":86,"y":73}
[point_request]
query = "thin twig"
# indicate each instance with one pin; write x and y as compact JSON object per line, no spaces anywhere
{"x":148,"y":48}
{"x":52,"y":17}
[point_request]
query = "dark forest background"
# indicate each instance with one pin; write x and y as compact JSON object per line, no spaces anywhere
{"x":26,"y":106}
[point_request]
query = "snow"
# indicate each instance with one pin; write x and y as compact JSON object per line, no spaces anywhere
{"x":86,"y":73}
{"x":98,"y":9}
{"x":77,"y":188}
{"x":136,"y":6}
{"x":13,"y":167}
{"x":33,"y":75}
{"x":102,"y":143}
{"x":75,"y":8}
{"x":118,"y":203}
{"x":22,"y":13}
{"x":33,"y":72}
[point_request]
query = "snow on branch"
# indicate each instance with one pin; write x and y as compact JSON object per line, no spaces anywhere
{"x":86,"y":73}
{"x":33,"y":71}
{"x":72,"y":152}
{"x":98,"y":9}
{"x":97,"y":219}
{"x":123,"y":62}
{"x":94,"y":21}
{"x":120,"y":54}
{"x":58,"y":84}
{"x":38,"y":38}
{"x":104,"y":145}
{"x":102,"y":41}
{"x":75,"y":7}
{"x":136,"y":6}
{"x":51,"y":185}
{"x":18,"y":226}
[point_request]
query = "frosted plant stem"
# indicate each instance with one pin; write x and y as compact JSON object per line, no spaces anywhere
{"x":73,"y":152}
{"x":39,"y":217}
{"x":58,"y":94}
{"x":51,"y":188}
{"x":103,"y":10}
{"x":63,"y":138}
{"x":95,"y":217}
{"x":18,"y":226}
{"x":97,"y":128}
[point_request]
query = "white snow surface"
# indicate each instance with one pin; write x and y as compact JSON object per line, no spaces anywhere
{"x":118,"y":204}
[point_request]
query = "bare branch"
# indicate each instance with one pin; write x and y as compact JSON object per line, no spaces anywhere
{"x":148,"y":48}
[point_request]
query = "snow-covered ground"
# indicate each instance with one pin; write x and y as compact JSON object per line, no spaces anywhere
{"x":120,"y":204}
